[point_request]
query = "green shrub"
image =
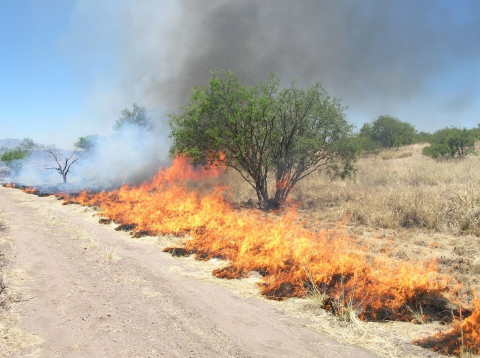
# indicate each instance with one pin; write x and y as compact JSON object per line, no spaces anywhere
{"x":14,"y":158}
{"x":387,"y":132}
{"x":87,"y":143}
{"x":450,"y":143}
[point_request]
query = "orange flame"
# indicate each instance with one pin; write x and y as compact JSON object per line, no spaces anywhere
{"x":464,"y":337}
{"x":291,"y":258}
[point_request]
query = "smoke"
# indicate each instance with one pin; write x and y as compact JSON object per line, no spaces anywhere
{"x":129,"y":156}
{"x":413,"y":59}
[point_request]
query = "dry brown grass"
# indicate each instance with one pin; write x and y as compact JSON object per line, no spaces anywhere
{"x":403,"y":192}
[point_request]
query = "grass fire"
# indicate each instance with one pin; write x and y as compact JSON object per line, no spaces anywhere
{"x":304,"y":233}
{"x":294,"y":260}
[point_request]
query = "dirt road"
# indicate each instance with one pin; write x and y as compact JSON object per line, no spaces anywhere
{"x":92,"y":292}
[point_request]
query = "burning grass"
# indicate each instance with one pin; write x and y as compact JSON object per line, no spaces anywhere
{"x":462,"y":339}
{"x":293,"y":257}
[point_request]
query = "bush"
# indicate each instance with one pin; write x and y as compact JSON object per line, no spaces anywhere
{"x":87,"y":143}
{"x":450,"y":143}
{"x":387,"y":132}
{"x":14,"y":158}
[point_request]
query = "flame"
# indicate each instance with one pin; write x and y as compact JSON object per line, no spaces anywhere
{"x":291,"y":258}
{"x":464,"y":337}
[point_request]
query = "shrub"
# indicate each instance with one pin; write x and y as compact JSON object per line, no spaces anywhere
{"x":387,"y":132}
{"x":449,"y":143}
{"x":14,"y":158}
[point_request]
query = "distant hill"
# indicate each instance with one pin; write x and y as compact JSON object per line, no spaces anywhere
{"x":9,"y":143}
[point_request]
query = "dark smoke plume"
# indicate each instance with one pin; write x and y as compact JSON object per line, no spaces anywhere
{"x":414,"y":59}
{"x":376,"y":55}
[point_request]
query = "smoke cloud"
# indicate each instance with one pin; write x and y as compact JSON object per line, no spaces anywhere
{"x":129,"y":157}
{"x":413,"y":59}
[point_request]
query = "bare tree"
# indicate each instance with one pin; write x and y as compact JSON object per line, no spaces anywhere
{"x":63,"y":166}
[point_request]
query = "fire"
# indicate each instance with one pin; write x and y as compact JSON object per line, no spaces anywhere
{"x":464,"y":337}
{"x":291,"y":258}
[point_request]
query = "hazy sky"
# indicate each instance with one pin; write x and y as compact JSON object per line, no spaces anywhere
{"x":67,"y":68}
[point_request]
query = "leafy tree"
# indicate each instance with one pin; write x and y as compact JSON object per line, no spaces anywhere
{"x":389,"y":132}
{"x":27,"y":143}
{"x":15,"y":158}
{"x":261,"y":129}
{"x":476,"y":131}
{"x":87,"y":143}
{"x":138,"y":118}
{"x":451,"y":142}
{"x":365,"y":141}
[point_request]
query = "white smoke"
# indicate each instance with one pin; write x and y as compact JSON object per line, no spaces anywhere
{"x":129,"y":156}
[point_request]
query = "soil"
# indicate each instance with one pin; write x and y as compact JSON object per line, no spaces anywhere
{"x":90,"y":291}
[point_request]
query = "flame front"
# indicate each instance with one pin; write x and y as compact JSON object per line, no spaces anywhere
{"x":464,"y":337}
{"x":291,"y":258}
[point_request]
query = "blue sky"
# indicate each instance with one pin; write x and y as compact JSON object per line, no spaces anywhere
{"x":67,"y":68}
{"x":39,"y":91}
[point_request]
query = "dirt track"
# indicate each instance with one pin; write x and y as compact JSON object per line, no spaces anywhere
{"x":91,"y":292}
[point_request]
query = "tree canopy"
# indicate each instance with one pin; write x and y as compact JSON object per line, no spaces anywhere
{"x":451,"y":142}
{"x":388,"y":132}
{"x":262,"y":129}
{"x":138,"y":118}
{"x":87,"y":143}
{"x":15,"y":158}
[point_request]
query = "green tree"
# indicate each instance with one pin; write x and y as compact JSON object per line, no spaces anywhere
{"x":87,"y":143}
{"x":390,"y":132}
{"x":365,"y":139}
{"x":451,"y":142}
{"x":476,"y":131}
{"x":27,"y":143}
{"x":261,"y":129}
{"x":423,"y":137}
{"x":138,"y":118}
{"x":15,"y":158}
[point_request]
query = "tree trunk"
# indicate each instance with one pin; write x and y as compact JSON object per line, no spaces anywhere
{"x":64,"y":178}
{"x":280,"y":195}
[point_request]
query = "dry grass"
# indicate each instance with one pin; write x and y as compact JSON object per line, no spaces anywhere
{"x":401,"y":192}
{"x":110,"y":253}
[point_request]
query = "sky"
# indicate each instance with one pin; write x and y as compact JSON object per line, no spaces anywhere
{"x":68,"y":68}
